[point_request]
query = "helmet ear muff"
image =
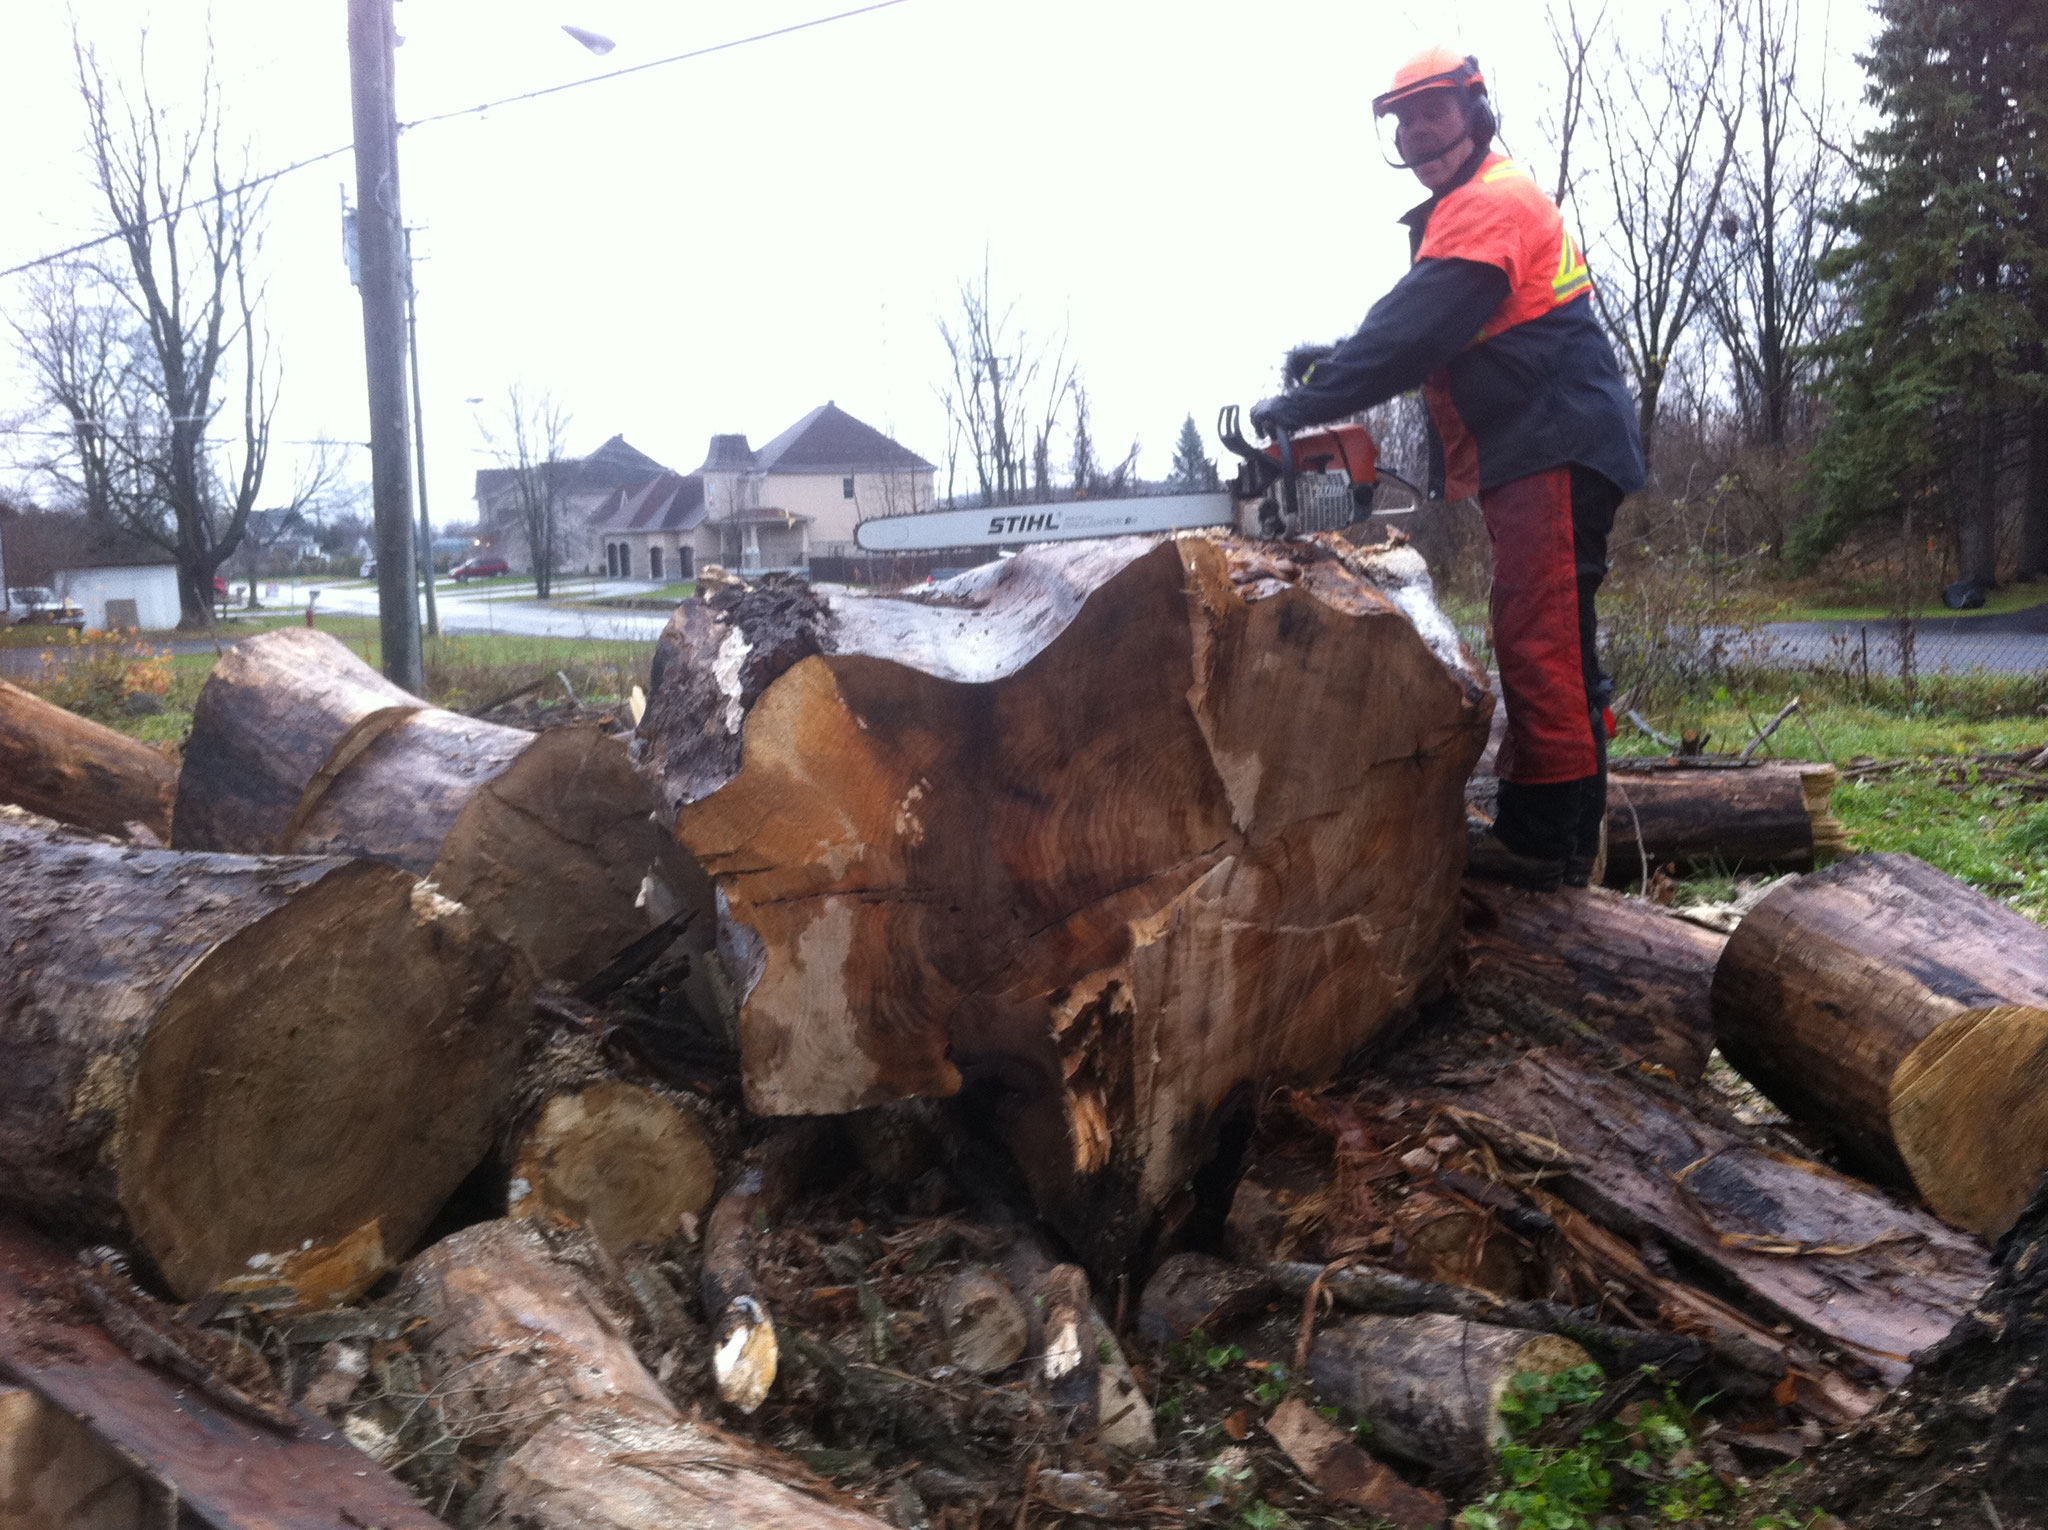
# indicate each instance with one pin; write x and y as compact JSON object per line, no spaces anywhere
{"x":1484,"y":126}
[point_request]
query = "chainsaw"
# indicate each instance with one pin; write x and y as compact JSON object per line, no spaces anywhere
{"x":1319,"y":480}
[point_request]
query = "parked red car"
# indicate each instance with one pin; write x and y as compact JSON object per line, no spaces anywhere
{"x":479,"y":568}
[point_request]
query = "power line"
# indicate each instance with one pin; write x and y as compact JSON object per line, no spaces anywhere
{"x":468,"y":111}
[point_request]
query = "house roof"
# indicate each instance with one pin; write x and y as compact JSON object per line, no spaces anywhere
{"x":40,"y":542}
{"x":613,"y":465}
{"x":829,"y":440}
{"x":671,"y":502}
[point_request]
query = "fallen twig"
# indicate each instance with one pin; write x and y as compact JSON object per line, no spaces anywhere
{"x":1767,"y":730}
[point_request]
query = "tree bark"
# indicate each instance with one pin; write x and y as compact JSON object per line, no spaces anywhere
{"x":271,"y":1071}
{"x":1907,"y":1015}
{"x":1110,"y":838}
{"x":1771,"y":816}
{"x":1591,"y":957}
{"x":1431,"y":1386}
{"x":2034,"y":514}
{"x":1832,"y":1257}
{"x":297,"y":745}
{"x":65,"y":767}
{"x":54,"y":1473}
{"x":526,"y":1343}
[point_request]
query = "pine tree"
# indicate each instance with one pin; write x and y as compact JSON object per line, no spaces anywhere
{"x":1942,"y":342}
{"x":1192,"y":469}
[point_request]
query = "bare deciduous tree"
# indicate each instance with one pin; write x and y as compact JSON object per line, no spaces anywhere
{"x":532,"y":441}
{"x":1003,"y":396}
{"x":152,"y":349}
{"x":1667,"y":122}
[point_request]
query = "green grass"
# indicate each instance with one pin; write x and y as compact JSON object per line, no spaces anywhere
{"x":1985,"y":833}
{"x":2012,"y":597}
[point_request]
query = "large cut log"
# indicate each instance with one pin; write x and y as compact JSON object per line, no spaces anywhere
{"x":1432,"y":1386}
{"x":265,"y":1069}
{"x":1773,"y":815}
{"x":1589,"y":957}
{"x":525,"y":1341}
{"x":71,"y":769}
{"x":297,"y":745}
{"x":1843,"y":1264}
{"x":1108,"y":833}
{"x":1907,"y":1014}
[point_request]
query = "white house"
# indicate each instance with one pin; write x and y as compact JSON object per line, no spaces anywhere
{"x":123,"y":596}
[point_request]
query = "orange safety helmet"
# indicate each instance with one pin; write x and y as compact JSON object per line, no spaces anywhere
{"x":1437,"y":68}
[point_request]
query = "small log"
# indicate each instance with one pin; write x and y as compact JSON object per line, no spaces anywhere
{"x":1431,"y":1386}
{"x":1339,"y":1469}
{"x":1619,"y":965}
{"x":1720,"y":814}
{"x":1123,"y":1418}
{"x":270,"y":1072}
{"x":1113,"y":832}
{"x":297,"y":745}
{"x":623,"y":1468}
{"x":55,"y":1474}
{"x":1825,"y":1253}
{"x":1198,"y":1292}
{"x":516,"y":1327}
{"x":1385,"y":1293}
{"x":1907,"y":1015}
{"x":1065,"y":1352}
{"x":623,"y":1159}
{"x":985,"y":1328}
{"x":746,"y":1353}
{"x":66,"y":767}
{"x":525,"y":1342}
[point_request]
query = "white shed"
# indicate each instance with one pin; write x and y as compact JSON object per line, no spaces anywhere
{"x":143,"y":595}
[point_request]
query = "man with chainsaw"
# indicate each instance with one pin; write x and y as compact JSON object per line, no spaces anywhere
{"x":1494,"y":322}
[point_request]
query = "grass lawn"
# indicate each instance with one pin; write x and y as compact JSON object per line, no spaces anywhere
{"x":1986,"y":833}
{"x":462,"y":672}
{"x":2011,"y":597}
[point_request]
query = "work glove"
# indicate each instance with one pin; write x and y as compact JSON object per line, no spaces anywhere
{"x":1301,"y":362}
{"x":1271,"y":416}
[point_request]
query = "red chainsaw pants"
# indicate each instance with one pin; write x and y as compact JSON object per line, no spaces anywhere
{"x":1549,"y":533}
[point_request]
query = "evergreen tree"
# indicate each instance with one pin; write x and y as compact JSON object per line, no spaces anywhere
{"x":1192,"y":470}
{"x":1941,"y":351}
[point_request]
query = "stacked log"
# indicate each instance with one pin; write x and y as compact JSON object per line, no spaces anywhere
{"x":66,"y":767}
{"x":1720,"y":814}
{"x":269,"y":1071}
{"x":298,"y":746}
{"x":1907,"y":1014}
{"x":1107,"y":834}
{"x":1590,"y":957}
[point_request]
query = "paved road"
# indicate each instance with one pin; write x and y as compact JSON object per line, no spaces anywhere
{"x":512,"y":609}
{"x":2011,"y":642}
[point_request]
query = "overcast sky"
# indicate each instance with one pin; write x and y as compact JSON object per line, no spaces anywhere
{"x":723,"y":244}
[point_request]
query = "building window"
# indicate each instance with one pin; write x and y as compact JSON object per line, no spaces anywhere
{"x":625,"y":560}
{"x":611,"y":559}
{"x":686,"y":563}
{"x":654,"y":563}
{"x":846,"y":487}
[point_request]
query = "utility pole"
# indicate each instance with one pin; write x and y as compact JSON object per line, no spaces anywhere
{"x":380,"y":237}
{"x":419,"y":439}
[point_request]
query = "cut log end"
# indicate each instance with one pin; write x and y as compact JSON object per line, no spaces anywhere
{"x":265,"y":1123}
{"x":1969,"y":1112}
{"x":622,"y":1159}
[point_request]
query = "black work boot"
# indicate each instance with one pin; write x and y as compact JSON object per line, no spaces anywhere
{"x":1488,"y":857}
{"x":1584,"y":870}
